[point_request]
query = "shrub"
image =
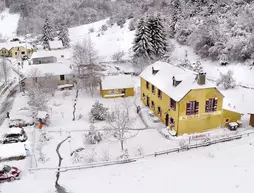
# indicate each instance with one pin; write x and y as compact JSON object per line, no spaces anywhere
{"x":91,"y":30}
{"x":227,"y":80}
{"x":118,"y":56}
{"x":98,"y":112}
{"x":93,"y":136}
{"x":104,"y":27}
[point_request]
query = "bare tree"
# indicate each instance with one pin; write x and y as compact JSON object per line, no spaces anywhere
{"x":120,"y":121}
{"x":5,"y":70}
{"x":118,"y":56}
{"x":86,"y":69}
{"x":49,"y":84}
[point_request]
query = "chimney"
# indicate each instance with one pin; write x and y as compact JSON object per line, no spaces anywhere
{"x":174,"y":81}
{"x":201,"y":78}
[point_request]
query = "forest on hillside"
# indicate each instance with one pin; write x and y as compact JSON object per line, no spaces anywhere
{"x":216,"y":29}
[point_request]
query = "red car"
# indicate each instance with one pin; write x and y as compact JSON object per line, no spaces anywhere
{"x":8,"y":173}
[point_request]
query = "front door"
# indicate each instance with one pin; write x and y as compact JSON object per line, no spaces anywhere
{"x":148,"y":101}
{"x":167,"y":120}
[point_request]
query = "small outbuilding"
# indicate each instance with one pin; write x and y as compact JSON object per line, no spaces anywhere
{"x":251,"y":122}
{"x":56,"y":45}
{"x":231,"y":113}
{"x":117,"y":86}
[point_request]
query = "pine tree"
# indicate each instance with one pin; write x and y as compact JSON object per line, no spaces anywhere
{"x":48,"y":34}
{"x":63,"y":35}
{"x":158,"y":35}
{"x":197,"y":67}
{"x":143,"y":42}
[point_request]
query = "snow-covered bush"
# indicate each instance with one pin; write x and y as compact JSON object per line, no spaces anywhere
{"x":90,"y":156}
{"x":118,"y":56}
{"x":124,"y":156}
{"x":105,"y":155}
{"x":93,"y":136}
{"x":104,"y":27}
{"x":185,"y":63}
{"x":42,"y":157}
{"x":197,"y":66}
{"x":226,"y":80}
{"x":45,"y":137}
{"x":77,"y":157}
{"x":91,"y":30}
{"x":98,"y":112}
{"x":183,"y":144}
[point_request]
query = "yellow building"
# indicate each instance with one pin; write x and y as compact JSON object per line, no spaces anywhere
{"x":15,"y":49}
{"x":182,"y":100}
{"x":117,"y":86}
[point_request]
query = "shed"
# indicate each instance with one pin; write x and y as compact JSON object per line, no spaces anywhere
{"x":117,"y":86}
{"x":231,"y":112}
{"x":56,"y":45}
{"x":251,"y":122}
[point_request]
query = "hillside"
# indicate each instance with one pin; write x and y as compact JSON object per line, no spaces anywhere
{"x":8,"y":24}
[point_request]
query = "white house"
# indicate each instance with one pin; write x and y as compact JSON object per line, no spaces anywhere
{"x":56,"y":45}
{"x":61,"y":72}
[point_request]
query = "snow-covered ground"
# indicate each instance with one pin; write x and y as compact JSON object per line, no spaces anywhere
{"x":8,"y":24}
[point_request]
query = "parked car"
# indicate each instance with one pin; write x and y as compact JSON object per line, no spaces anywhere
{"x":24,"y":118}
{"x":14,"y":136}
{"x":8,"y":173}
{"x":25,"y":57}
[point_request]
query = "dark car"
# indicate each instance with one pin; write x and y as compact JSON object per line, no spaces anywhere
{"x":25,"y":57}
{"x":15,"y":137}
{"x":8,"y":173}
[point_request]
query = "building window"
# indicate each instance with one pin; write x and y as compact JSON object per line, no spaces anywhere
{"x":143,"y":96}
{"x":159,"y":111}
{"x":159,"y":94}
{"x":153,"y":106}
{"x":211,"y":105}
{"x":147,"y":85}
{"x":172,"y":104}
{"x":153,"y":89}
{"x":16,"y":53}
{"x":192,"y":108}
{"x":23,"y":52}
{"x":62,"y":77}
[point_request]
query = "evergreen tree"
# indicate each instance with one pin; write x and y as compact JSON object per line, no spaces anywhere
{"x":158,"y":35}
{"x":197,"y":66}
{"x":63,"y":35}
{"x":48,"y":34}
{"x":143,"y":41}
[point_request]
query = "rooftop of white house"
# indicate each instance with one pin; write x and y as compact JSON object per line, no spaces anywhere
{"x":66,"y":53}
{"x":164,"y":76}
{"x":117,"y":82}
{"x":42,"y":70}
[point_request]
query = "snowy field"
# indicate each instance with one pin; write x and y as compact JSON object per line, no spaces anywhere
{"x":8,"y":24}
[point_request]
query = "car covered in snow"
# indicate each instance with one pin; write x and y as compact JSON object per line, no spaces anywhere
{"x":22,"y":118}
{"x":8,"y":173}
{"x":15,"y":135}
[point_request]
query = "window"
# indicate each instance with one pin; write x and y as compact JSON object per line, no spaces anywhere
{"x":159,"y":111}
{"x":143,"y":96}
{"x":192,"y":108}
{"x":172,"y":104}
{"x":61,"y":77}
{"x":23,"y":52}
{"x":159,"y":94}
{"x":153,"y":89}
{"x":153,"y":105}
{"x":211,"y":105}
{"x":147,"y":85}
{"x":16,"y":53}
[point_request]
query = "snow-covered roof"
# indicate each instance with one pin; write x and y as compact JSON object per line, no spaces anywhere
{"x":233,"y":106}
{"x":56,"y":44}
{"x":163,"y":79}
{"x":9,"y":45}
{"x":66,"y":53}
{"x":117,"y":82}
{"x":12,"y":150}
{"x":58,"y":68}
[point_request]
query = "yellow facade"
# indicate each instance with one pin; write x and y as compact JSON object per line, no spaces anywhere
{"x":14,"y":51}
{"x":179,"y":121}
{"x":230,"y":116}
{"x":116,"y":93}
